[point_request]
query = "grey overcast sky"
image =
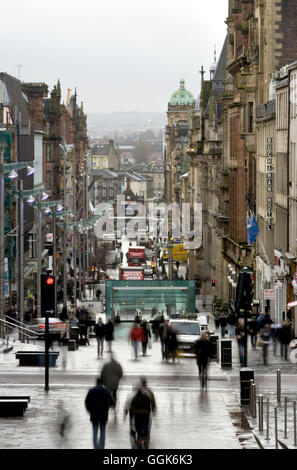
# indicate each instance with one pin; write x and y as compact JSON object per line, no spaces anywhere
{"x":122,"y":55}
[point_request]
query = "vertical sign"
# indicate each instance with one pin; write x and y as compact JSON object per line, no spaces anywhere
{"x":269,"y":187}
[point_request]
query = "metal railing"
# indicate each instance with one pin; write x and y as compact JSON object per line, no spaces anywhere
{"x":12,"y":326}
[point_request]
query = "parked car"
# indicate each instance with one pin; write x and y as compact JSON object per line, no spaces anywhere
{"x":187,"y":332}
{"x":56,"y":327}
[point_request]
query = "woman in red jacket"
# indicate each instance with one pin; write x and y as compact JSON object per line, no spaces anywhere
{"x":136,"y":337}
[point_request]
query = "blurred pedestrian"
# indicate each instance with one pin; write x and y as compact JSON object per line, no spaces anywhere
{"x":146,"y":336}
{"x":98,"y":402}
{"x":136,"y":337}
{"x":99,"y":330}
{"x":109,"y":329}
{"x":172,"y":343}
{"x":240,"y":336}
{"x":64,"y":314}
{"x":140,"y":409}
{"x":216,"y":316}
{"x":111,"y":375}
{"x":164,"y":337}
{"x":155,"y":327}
{"x":253,"y":328}
{"x":204,"y":301}
{"x":63,"y":424}
{"x":285,"y":336}
{"x":83,"y":324}
{"x":275,"y":329}
{"x":231,"y":321}
{"x":202,"y":351}
{"x":265,"y":338}
{"x":223,"y":323}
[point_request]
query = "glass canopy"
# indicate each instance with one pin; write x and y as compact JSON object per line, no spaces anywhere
{"x":148,"y":298}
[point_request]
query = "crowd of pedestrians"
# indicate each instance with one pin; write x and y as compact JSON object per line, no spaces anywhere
{"x":262,"y":330}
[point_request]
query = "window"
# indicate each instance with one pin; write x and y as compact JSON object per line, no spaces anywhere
{"x":103,"y":192}
{"x":48,"y":179}
{"x":48,"y":153}
{"x":251,"y":117}
{"x":103,"y":183}
{"x":111,"y":192}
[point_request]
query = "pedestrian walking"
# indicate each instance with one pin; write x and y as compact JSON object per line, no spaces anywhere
{"x":109,"y":329}
{"x":223,"y":324}
{"x":83,"y":324}
{"x":202,"y":351}
{"x":164,"y":337}
{"x":146,"y":336}
{"x":136,"y":337}
{"x":285,"y":336}
{"x":274,"y":330}
{"x":265,"y":338}
{"x":155,"y":328}
{"x":111,"y":375}
{"x":216,"y":316}
{"x":204,"y":301}
{"x":99,"y":330}
{"x":64,"y":423}
{"x":98,"y":402}
{"x":172,"y":343}
{"x":240,"y":336}
{"x":253,"y":329}
{"x":140,"y":408}
{"x":231,"y":322}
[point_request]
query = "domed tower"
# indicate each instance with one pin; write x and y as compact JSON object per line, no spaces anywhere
{"x":181,"y":102}
{"x":213,"y":66}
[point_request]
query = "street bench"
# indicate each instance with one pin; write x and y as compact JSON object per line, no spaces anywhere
{"x":13,"y":406}
{"x":36,"y":358}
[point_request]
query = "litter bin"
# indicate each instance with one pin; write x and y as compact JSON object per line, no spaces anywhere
{"x":72,"y":345}
{"x":213,"y":346}
{"x":246,"y":375}
{"x":74,"y":333}
{"x":226,"y":353}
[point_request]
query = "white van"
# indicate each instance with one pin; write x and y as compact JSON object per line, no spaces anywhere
{"x":187,"y":333}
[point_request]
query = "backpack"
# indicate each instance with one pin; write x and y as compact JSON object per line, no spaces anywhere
{"x":141,"y":401}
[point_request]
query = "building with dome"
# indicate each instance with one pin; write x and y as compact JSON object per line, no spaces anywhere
{"x":180,"y":107}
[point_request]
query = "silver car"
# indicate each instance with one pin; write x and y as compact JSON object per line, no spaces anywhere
{"x":187,"y":333}
{"x":56,"y":327}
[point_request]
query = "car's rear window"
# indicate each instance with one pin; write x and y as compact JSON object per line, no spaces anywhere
{"x":186,"y":328}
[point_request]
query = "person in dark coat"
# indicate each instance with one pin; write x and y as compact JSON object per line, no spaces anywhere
{"x":98,"y":402}
{"x":172,"y":343}
{"x":253,"y":328}
{"x":285,"y":337}
{"x":146,"y":336}
{"x":111,"y":375}
{"x":99,"y":330}
{"x":164,"y":337}
{"x":223,"y":323}
{"x":202,"y":351}
{"x":109,"y":327}
{"x":83,"y":324}
{"x":231,"y":321}
{"x":140,"y":408}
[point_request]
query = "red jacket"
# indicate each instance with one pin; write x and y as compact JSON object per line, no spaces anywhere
{"x":137,"y":334}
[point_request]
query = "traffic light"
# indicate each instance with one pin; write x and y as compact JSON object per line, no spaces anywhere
{"x":213,"y":283}
{"x":47,"y":293}
{"x":92,"y":269}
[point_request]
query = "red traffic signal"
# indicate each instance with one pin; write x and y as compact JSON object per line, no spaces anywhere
{"x":213,"y":283}
{"x":50,"y":281}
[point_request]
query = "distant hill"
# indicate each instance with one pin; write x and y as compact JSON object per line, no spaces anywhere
{"x":100,"y":124}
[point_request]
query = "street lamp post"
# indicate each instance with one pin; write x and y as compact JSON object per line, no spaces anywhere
{"x":21,"y":258}
{"x":2,"y":238}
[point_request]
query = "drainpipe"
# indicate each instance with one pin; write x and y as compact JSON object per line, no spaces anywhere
{"x":288,"y":164}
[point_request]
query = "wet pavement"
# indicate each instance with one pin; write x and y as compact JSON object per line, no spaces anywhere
{"x":187,"y":417}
